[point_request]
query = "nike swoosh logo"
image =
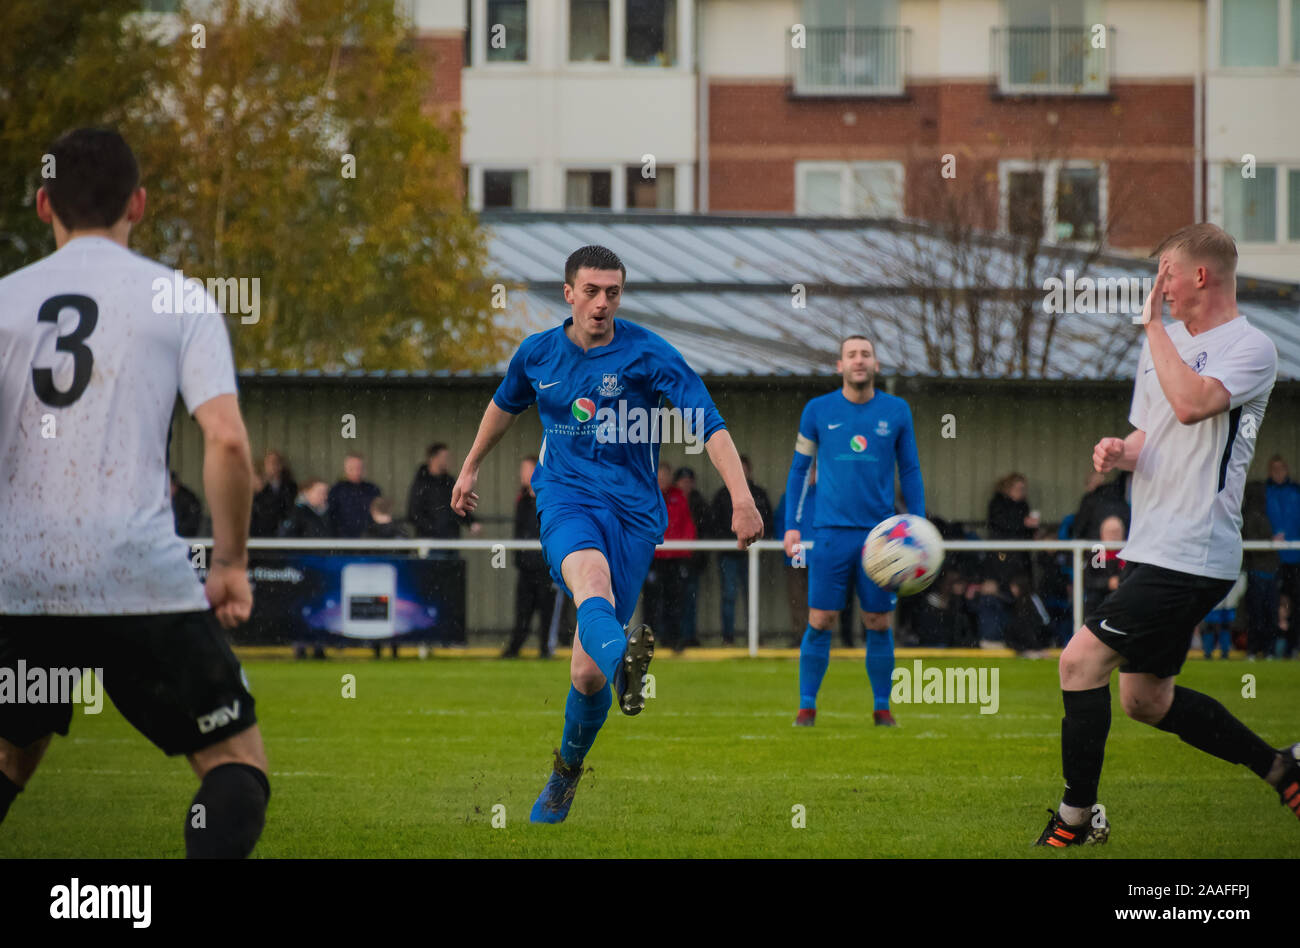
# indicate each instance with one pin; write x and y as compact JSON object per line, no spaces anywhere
{"x":833,"y":427}
{"x":606,"y":644}
{"x":1110,"y":628}
{"x":1152,"y":369}
{"x":548,"y":385}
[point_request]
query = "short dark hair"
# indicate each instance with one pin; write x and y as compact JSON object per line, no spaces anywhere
{"x":434,"y":449}
{"x":95,"y":175}
{"x":848,"y":339}
{"x":381,"y":505}
{"x":593,"y":257}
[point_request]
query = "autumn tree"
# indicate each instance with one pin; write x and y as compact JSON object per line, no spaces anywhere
{"x":289,"y":143}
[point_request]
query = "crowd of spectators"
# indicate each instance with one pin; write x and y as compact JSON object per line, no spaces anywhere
{"x":1016,"y":599}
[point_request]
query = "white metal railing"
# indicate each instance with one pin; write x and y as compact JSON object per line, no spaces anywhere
{"x":845,"y":61}
{"x":422,"y":547}
{"x":1053,"y":60}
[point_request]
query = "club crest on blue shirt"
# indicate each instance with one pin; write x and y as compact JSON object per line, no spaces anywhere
{"x":882,"y":428}
{"x":609,"y":386}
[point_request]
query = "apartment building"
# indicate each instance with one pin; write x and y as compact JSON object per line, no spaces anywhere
{"x":1252,"y":130}
{"x":571,"y":104}
{"x":1084,"y":121}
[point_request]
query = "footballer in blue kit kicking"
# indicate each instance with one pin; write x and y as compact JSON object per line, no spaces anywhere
{"x":600,"y":386}
{"x":857,"y":435}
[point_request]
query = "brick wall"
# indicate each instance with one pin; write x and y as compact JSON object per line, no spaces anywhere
{"x":1143,"y":131}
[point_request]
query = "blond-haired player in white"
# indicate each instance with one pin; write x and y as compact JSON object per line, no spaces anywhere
{"x":1202,"y":386}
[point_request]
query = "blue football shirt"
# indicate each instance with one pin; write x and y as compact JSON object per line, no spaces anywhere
{"x":604,"y":416}
{"x":857,"y":448}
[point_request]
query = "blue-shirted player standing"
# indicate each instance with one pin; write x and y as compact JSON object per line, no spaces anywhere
{"x":600,"y":388}
{"x":857,"y":435}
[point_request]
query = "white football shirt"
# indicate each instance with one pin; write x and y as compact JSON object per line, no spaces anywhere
{"x":1189,"y":479}
{"x":89,"y":374}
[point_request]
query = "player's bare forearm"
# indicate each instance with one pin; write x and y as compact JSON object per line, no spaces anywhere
{"x":227,"y":478}
{"x":1192,"y":397}
{"x":746,"y":522}
{"x":491,"y":429}
{"x":725,"y":457}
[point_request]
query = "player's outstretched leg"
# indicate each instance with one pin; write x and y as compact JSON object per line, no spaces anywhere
{"x":880,"y":669}
{"x":814,"y":657}
{"x":1207,"y":725}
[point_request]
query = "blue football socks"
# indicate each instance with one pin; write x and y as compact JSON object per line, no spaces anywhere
{"x":601,"y":635}
{"x":880,"y":666}
{"x":583,"y":716}
{"x":814,"y":656}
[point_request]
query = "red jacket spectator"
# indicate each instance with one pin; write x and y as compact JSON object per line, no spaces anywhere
{"x":680,"y":524}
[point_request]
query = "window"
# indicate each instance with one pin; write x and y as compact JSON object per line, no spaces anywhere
{"x":651,"y":37}
{"x":584,"y":190}
{"x":1259,"y":34}
{"x":589,"y":31}
{"x":1055,"y":201}
{"x":849,"y":189}
{"x":1249,"y":34}
{"x":657,"y":193}
{"x":1295,"y":31}
{"x":507,"y":31}
{"x":626,"y":33}
{"x":1250,"y":204}
{"x":1047,"y":45}
{"x":505,"y":189}
{"x":1078,"y":198}
{"x":851,"y":46}
{"x":1025,"y":204}
{"x":1293,"y":213}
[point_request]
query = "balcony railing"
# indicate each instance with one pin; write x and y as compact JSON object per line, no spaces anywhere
{"x":1052,"y":60}
{"x":851,"y":61}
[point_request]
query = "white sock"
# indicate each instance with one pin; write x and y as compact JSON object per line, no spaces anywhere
{"x":1074,"y":815}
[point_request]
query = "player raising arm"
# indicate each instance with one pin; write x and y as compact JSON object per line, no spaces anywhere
{"x":1198,"y":400}
{"x":598,"y":501}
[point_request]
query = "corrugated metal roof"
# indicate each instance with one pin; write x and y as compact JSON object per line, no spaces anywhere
{"x":720,"y":290}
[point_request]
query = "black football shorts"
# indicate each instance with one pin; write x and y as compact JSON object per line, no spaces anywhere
{"x":172,"y":675}
{"x":1149,"y":619}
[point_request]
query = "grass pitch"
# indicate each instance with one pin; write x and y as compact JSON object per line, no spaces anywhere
{"x":415,"y":764}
